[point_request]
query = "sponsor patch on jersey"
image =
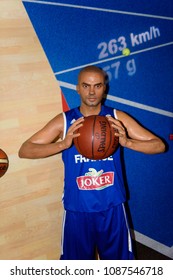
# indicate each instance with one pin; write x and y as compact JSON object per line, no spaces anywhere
{"x":95,"y":180}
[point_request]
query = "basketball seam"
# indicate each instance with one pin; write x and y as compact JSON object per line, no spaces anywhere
{"x":93,"y":136}
{"x":78,"y":145}
{"x":109,"y":139}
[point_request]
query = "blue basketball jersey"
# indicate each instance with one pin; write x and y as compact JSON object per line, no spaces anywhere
{"x":91,"y":185}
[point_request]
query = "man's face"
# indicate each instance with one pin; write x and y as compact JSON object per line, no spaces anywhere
{"x":91,"y":88}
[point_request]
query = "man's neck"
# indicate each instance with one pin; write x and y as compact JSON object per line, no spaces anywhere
{"x":88,"y":111}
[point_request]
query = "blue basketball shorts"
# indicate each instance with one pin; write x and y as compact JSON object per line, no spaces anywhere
{"x":106,"y":232}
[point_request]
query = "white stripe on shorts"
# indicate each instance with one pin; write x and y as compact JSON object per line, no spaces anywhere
{"x":129,"y":237}
{"x":62,"y":234}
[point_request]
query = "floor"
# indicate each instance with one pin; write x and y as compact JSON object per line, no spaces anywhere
{"x":143,"y":252}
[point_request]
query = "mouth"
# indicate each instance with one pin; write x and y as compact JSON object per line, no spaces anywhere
{"x":92,"y":99}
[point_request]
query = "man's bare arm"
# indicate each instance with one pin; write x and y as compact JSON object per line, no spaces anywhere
{"x":49,"y":140}
{"x":134,"y":136}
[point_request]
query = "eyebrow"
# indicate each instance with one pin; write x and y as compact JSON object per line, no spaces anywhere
{"x":90,"y":84}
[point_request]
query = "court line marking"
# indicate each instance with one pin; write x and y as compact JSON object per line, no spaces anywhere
{"x":125,"y":101}
{"x":97,"y":9}
{"x":112,"y":58}
{"x":151,"y":243}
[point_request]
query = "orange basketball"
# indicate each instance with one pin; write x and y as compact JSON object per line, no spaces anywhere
{"x":3,"y":163}
{"x":97,"y":138}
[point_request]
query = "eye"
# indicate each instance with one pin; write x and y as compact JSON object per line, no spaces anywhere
{"x":98,"y":86}
{"x":85,"y":86}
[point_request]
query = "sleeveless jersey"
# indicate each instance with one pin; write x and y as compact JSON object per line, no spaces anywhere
{"x":91,"y":185}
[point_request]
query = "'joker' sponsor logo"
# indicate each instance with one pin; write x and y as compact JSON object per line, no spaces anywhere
{"x":94,"y":180}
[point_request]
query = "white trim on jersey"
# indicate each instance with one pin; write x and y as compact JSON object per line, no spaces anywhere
{"x":115,"y":114}
{"x":65,"y":125}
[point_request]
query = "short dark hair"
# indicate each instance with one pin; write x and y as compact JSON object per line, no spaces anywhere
{"x":91,"y":68}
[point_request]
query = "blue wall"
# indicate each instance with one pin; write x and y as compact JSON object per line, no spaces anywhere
{"x":74,"y":36}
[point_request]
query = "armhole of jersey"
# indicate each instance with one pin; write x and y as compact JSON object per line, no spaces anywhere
{"x":115,"y":114}
{"x":65,"y":125}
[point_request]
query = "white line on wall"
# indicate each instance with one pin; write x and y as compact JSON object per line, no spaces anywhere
{"x":125,"y":101}
{"x":97,"y":9}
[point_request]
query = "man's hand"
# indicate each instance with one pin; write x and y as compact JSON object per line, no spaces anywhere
{"x":120,"y":130}
{"x":72,"y":132}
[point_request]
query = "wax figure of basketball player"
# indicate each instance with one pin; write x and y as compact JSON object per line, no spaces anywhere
{"x":94,"y":215}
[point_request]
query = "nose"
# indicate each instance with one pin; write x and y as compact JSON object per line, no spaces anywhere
{"x":92,"y":91}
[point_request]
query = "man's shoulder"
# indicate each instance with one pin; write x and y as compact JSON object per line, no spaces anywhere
{"x":73,"y":113}
{"x":107,"y":109}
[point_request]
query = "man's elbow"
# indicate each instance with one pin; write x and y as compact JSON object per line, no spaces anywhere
{"x":161,"y":147}
{"x":21,"y":154}
{"x":23,"y":151}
